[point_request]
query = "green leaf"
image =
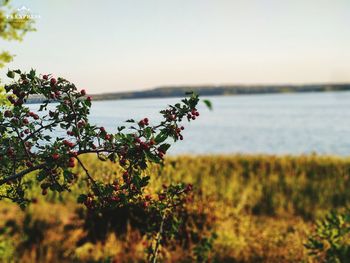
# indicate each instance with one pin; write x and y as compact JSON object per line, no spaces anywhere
{"x":11,"y":74}
{"x":31,"y":74}
{"x":161,"y":137}
{"x":164,"y":147}
{"x":121,"y":128}
{"x":81,"y":198}
{"x":148,"y":132}
{"x":144,"y":181}
{"x":41,"y":176}
{"x":208,"y":104}
{"x":153,"y":158}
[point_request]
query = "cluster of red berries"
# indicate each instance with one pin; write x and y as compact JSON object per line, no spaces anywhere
{"x":81,"y":124}
{"x":171,"y":115}
{"x":71,"y":133}
{"x":33,"y":115}
{"x":104,"y":135}
{"x":144,"y":122}
{"x":10,"y":151}
{"x":143,"y":145}
{"x":89,"y":202}
{"x":71,"y":162}
{"x":56,"y":94}
{"x":15,"y":102}
{"x":193,"y":115}
{"x":68,"y":143}
{"x":178,"y":134}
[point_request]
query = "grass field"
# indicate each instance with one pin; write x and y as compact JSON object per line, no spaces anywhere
{"x":261,"y":207}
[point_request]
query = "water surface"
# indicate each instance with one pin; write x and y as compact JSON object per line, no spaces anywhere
{"x":294,"y":123}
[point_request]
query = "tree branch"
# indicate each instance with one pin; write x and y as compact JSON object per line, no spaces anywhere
{"x":22,"y":173}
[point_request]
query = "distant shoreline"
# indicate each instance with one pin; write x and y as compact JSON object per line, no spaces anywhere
{"x":211,"y":90}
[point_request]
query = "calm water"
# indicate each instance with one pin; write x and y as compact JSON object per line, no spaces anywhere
{"x":274,"y":123}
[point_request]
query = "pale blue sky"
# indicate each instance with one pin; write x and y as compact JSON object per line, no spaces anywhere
{"x":117,"y":45}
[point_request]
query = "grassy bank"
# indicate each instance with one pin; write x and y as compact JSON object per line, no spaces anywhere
{"x":263,"y":207}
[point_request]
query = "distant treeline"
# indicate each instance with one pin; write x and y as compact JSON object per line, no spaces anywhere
{"x":223,"y":90}
{"x":179,"y":91}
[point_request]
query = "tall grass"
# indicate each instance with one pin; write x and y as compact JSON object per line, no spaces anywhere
{"x":263,"y":207}
{"x":306,"y":186}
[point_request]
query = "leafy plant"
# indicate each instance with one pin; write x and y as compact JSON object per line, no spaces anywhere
{"x":12,"y":27}
{"x":331,"y":241}
{"x":28,"y":144}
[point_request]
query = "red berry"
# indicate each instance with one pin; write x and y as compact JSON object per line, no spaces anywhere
{"x":161,"y":197}
{"x":83,"y":92}
{"x":55,"y":156}
{"x":89,"y":98}
{"x":74,"y":153}
{"x":144,"y":146}
{"x":81,"y":124}
{"x":53,"y":82}
{"x":45,"y":77}
{"x":115,"y":198}
{"x":188,"y":188}
{"x":160,"y":154}
{"x":125,"y":175}
{"x":8,"y":114}
{"x":11,"y":99}
{"x":10,"y":151}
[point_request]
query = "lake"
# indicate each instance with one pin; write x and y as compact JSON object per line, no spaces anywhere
{"x":289,"y":123}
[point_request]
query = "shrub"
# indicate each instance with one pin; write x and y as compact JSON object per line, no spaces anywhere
{"x":331,"y":240}
{"x":28,"y":144}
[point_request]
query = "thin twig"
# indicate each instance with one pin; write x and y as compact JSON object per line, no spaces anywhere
{"x":86,"y":170}
{"x":159,"y":238}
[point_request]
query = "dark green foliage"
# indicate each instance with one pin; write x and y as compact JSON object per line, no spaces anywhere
{"x":331,"y":240}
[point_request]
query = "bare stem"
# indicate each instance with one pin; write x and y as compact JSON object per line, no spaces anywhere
{"x":159,"y":238}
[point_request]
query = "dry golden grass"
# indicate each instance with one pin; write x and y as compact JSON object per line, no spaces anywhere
{"x":263,"y":209}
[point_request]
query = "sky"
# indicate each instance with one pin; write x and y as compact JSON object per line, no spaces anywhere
{"x":121,"y":45}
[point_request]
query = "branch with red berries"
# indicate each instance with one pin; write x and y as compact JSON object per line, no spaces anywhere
{"x":33,"y":142}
